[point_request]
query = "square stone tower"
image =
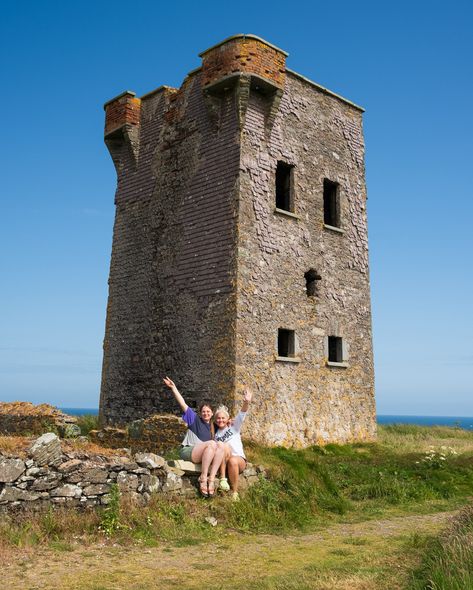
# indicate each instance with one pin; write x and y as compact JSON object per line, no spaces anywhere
{"x":240,"y":251}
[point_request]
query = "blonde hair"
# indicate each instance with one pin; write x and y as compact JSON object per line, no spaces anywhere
{"x":222,"y":410}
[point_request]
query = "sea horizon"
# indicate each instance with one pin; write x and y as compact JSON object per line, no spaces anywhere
{"x":465,"y":422}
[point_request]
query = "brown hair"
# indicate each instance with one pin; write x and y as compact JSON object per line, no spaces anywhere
{"x":212,"y":427}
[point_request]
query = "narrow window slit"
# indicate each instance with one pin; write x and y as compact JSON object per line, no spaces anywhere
{"x":331,"y":203}
{"x":284,"y":182}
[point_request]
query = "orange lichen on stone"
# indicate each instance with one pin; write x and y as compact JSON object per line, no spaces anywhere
{"x":245,"y":55}
{"x":123,"y":110}
{"x":26,"y":418}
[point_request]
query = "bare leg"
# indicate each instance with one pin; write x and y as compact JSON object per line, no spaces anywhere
{"x":235,"y":466}
{"x":217,"y":460}
{"x":204,"y":453}
{"x":226,"y":456}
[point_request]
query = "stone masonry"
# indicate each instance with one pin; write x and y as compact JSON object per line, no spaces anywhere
{"x":206,"y":270}
{"x":47,"y":477}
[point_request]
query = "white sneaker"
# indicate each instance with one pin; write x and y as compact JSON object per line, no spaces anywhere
{"x":224,"y":486}
{"x":235,"y":497}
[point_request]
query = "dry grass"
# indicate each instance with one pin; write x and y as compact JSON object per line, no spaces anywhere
{"x":18,"y":446}
{"x":14,"y":445}
{"x":380,"y":557}
{"x":409,"y":438}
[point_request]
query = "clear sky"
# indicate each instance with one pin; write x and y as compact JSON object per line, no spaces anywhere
{"x":408,"y":63}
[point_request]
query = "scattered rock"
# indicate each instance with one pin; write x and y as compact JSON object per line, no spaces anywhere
{"x":45,"y":483}
{"x":94,"y":475}
{"x":11,"y":494}
{"x":171,"y":483}
{"x":154,"y":484}
{"x":150,"y":460}
{"x":46,"y":450}
{"x":67,"y":491}
{"x":11,"y":469}
{"x":69,"y":466}
{"x":96,"y":489}
{"x":127,"y":482}
{"x":211,"y":520}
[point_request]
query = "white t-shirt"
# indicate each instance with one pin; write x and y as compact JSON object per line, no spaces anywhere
{"x":231,"y":435}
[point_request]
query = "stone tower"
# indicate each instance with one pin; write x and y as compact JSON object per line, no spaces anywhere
{"x":240,"y":253}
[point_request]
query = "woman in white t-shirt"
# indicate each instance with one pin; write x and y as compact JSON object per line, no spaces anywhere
{"x":229,"y":433}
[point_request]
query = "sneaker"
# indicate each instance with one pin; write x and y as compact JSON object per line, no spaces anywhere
{"x":235,"y":497}
{"x":224,"y":486}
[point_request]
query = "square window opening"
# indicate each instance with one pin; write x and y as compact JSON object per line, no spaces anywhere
{"x":286,"y":343}
{"x":284,"y":187}
{"x":335,"y":349}
{"x":331,"y":203}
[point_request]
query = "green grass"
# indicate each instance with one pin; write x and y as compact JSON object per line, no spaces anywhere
{"x":305,"y":488}
{"x":362,"y":479}
{"x":448,"y":562}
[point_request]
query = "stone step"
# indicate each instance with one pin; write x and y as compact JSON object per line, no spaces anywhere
{"x":186,"y":466}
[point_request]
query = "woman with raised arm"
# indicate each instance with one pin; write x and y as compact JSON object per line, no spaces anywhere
{"x":229,"y":433}
{"x":198,"y":445}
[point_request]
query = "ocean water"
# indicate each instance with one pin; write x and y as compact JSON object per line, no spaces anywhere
{"x":459,"y":421}
{"x":80,"y":411}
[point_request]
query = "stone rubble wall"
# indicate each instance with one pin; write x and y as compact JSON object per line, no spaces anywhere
{"x":24,"y":418}
{"x":49,"y":477}
{"x":157,"y":434}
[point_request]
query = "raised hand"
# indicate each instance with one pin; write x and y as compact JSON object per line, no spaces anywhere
{"x":169,"y":383}
{"x":172,"y":386}
{"x":247,"y":396}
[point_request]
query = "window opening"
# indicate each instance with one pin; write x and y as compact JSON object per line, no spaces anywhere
{"x":335,"y":349}
{"x":331,"y":203}
{"x":286,"y":342}
{"x":284,"y":175}
{"x":311,"y":278}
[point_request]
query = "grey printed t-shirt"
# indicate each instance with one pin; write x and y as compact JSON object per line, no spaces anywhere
{"x":197,"y":430}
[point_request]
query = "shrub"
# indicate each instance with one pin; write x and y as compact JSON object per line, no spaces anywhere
{"x":87,"y":422}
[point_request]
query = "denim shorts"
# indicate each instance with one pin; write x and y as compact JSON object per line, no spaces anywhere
{"x":185,"y":453}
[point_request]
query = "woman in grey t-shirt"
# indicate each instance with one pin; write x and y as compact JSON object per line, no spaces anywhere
{"x":198,"y":445}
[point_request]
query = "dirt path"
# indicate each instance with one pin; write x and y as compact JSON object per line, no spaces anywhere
{"x":361,"y":556}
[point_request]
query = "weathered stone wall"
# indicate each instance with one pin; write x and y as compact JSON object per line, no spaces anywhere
{"x":49,"y":477}
{"x":171,"y":302}
{"x":24,"y":418}
{"x":204,"y":271}
{"x":156,"y":434}
{"x":304,"y":402}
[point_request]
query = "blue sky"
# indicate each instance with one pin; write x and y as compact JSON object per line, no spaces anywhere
{"x":407,"y":63}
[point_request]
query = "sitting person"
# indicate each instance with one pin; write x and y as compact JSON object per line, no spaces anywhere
{"x":229,"y":433}
{"x":198,"y":445}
